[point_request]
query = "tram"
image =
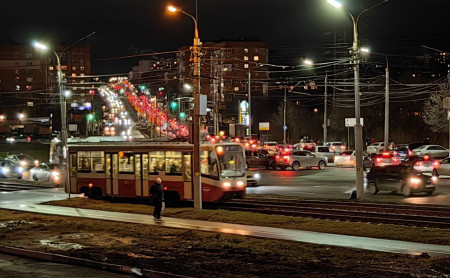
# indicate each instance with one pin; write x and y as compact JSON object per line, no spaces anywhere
{"x":128,"y":169}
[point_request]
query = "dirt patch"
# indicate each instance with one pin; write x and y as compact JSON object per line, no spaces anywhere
{"x":395,"y":232}
{"x":203,"y":254}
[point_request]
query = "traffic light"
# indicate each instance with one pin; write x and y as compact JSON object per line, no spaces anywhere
{"x":174,"y":105}
{"x":182,"y":115}
{"x":90,"y":117}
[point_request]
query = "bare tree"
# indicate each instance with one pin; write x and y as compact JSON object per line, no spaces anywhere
{"x":434,"y":115}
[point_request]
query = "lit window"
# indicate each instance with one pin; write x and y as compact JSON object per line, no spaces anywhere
{"x":63,"y":67}
{"x":82,"y":74}
{"x":81,"y":67}
{"x":29,"y":79}
{"x":245,"y":50}
{"x":50,"y":68}
{"x":17,"y":87}
{"x":245,"y":58}
{"x":246,"y":66}
{"x":236,"y":89}
{"x":255,"y":58}
{"x":74,"y":68}
{"x":74,"y":75}
{"x":63,"y":74}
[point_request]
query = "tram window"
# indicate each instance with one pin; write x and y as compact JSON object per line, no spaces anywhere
{"x":126,"y":164}
{"x":173,"y":163}
{"x":209,"y":165}
{"x":157,"y":162}
{"x":98,"y":161}
{"x":73,"y":165}
{"x":84,"y":162}
{"x":187,"y":167}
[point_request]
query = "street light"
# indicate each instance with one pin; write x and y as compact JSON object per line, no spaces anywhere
{"x":196,"y":121}
{"x":358,"y":127}
{"x":63,"y":112}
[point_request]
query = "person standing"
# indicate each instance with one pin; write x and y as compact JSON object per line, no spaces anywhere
{"x":157,"y":193}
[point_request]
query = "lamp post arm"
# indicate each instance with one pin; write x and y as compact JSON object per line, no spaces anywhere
{"x":195,"y":22}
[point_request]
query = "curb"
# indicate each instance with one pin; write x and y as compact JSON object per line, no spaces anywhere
{"x":56,"y":258}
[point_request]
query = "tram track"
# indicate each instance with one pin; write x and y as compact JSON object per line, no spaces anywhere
{"x":409,"y":215}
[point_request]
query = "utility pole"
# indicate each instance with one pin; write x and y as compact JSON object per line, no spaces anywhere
{"x":325,"y":120}
{"x":386,"y":108}
{"x":249,"y":106}
{"x":284,"y":117}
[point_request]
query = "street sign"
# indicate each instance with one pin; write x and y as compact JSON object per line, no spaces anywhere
{"x":351,"y":122}
{"x":446,"y":103}
{"x":264,"y":126}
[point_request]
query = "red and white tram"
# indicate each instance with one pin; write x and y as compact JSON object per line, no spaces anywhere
{"x":128,"y":169}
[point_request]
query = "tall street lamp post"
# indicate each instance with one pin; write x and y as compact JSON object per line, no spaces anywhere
{"x":63,"y":114}
{"x":358,"y":128}
{"x":386,"y":108}
{"x":196,"y":120}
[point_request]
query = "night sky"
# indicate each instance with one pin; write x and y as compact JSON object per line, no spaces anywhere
{"x":298,"y":28}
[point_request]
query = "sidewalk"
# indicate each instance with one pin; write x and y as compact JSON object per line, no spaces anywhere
{"x":383,"y":245}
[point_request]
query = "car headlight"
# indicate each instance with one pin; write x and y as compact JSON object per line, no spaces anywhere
{"x":415,"y":181}
{"x":23,"y":163}
{"x":257,"y":176}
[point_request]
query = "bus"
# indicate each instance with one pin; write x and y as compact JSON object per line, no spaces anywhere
{"x":128,"y":169}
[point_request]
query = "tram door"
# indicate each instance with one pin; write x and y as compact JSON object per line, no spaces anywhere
{"x":73,"y":186}
{"x":115,"y":174}
{"x":108,"y":172}
{"x":187,"y":175}
{"x":141,"y":174}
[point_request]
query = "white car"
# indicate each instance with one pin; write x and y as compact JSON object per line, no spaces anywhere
{"x":375,"y":147}
{"x":337,"y":146}
{"x":346,"y":158}
{"x":271,"y":145}
{"x":40,"y":173}
{"x":432,"y":150}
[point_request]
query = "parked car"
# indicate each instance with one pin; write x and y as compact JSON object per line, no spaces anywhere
{"x":400,"y":178}
{"x":375,"y":147}
{"x":40,"y":172}
{"x":325,"y":151}
{"x":432,"y":150}
{"x":337,"y":146}
{"x":299,"y":158}
{"x":9,"y":169}
{"x":271,"y":145}
{"x":23,"y":160}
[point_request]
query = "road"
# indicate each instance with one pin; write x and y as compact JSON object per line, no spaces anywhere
{"x":334,"y":183}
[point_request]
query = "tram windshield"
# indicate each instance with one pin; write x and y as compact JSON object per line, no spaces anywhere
{"x":231,"y":161}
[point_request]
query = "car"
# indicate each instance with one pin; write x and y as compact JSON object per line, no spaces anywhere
{"x":305,"y":144}
{"x":253,"y":178}
{"x":432,"y":150}
{"x":443,"y":168}
{"x":375,"y":147}
{"x":325,"y":151}
{"x":41,"y":172}
{"x":346,"y":158}
{"x":422,"y":163}
{"x":23,"y":160}
{"x":255,"y":159}
{"x":400,"y":178}
{"x":402,"y":151}
{"x":271,"y":145}
{"x":9,"y":169}
{"x":299,"y":158}
{"x":337,"y":146}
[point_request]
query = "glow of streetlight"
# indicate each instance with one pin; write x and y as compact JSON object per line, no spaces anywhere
{"x":21,"y":116}
{"x":40,"y":46}
{"x":308,"y":62}
{"x":187,"y":86}
{"x":67,"y":93}
{"x":172,"y":9}
{"x":335,"y":3}
{"x":365,"y":50}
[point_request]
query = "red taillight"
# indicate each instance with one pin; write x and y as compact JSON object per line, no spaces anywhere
{"x":333,"y":147}
{"x":90,"y":185}
{"x":277,"y":157}
{"x":286,"y":158}
{"x":395,"y":152}
{"x":386,"y":154}
{"x":342,"y":147}
{"x":165,"y":188}
{"x":436,"y":164}
{"x":426,"y":157}
{"x":410,"y":153}
{"x":419,"y":163}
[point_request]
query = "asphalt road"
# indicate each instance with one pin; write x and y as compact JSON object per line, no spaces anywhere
{"x":11,"y":266}
{"x":334,"y":183}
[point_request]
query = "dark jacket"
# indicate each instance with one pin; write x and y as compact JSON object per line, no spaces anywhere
{"x":157,"y":192}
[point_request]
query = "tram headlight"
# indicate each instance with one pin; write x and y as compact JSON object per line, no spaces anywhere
{"x":226,"y":185}
{"x":240,"y":184}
